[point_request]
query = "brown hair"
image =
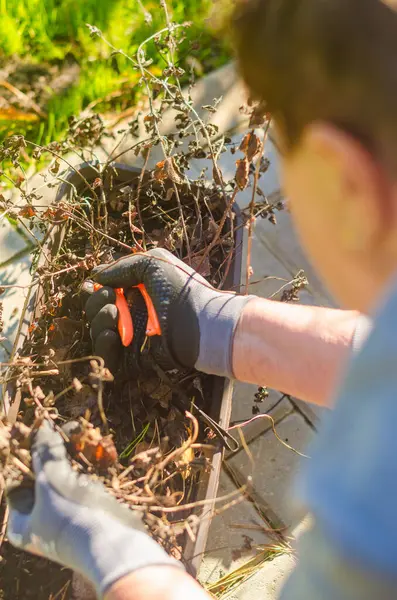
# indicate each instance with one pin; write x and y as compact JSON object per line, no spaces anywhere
{"x":332,"y":60}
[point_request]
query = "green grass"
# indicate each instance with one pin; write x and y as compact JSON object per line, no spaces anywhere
{"x":54,"y":31}
{"x":126,"y":453}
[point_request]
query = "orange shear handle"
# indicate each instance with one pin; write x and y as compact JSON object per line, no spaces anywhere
{"x":125,"y":324}
{"x":153,"y":324}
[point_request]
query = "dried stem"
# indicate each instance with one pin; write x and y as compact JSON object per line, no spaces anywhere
{"x":197,"y":504}
{"x":220,"y":228}
{"x":251,"y":220}
{"x":270,"y":418}
{"x":138,"y":200}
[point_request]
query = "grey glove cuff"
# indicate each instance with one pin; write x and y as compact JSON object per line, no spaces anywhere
{"x":218,"y":319}
{"x":146,"y":553}
{"x":108,"y":551}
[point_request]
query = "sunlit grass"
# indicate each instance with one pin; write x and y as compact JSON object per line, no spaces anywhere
{"x":55,"y":32}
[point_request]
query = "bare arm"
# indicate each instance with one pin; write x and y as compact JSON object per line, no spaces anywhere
{"x":300,"y":350}
{"x":153,"y":583}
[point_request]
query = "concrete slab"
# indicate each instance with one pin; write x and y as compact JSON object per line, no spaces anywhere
{"x":281,"y":242}
{"x":313,"y":413}
{"x":267,"y":582}
{"x":274,"y":468}
{"x":234,"y":536}
{"x":15,"y":273}
{"x":269,"y":274}
{"x":243,"y":399}
{"x":11,"y":242}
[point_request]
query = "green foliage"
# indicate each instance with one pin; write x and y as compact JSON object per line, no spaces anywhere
{"x":52,"y":31}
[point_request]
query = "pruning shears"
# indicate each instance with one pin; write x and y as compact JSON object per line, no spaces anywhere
{"x":125,"y":323}
{"x":126,"y":331}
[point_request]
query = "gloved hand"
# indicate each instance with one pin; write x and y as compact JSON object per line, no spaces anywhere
{"x":197,"y":321}
{"x":72,"y":520}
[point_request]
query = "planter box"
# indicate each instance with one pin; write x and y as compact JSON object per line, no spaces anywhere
{"x":221,"y":388}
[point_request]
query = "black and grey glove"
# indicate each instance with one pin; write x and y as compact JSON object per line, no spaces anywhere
{"x":72,"y":520}
{"x":197,"y":321}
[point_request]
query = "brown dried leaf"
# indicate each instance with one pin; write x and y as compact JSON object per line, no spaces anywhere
{"x":242,"y":173}
{"x":159,"y":173}
{"x":244,"y":143}
{"x":218,"y":176}
{"x":99,"y":450}
{"x":27,"y":211}
{"x":255,"y":147}
{"x":55,"y":214}
{"x":251,"y":145}
{"x":97,"y":183}
{"x":167,"y":169}
{"x":172,"y":171}
{"x":265,"y":164}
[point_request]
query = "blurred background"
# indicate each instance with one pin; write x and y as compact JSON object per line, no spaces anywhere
{"x":52,"y":68}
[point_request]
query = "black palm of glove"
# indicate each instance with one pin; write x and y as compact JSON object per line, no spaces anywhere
{"x":197,"y":322}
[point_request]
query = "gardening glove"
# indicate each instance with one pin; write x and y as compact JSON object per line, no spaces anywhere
{"x":197,"y":321}
{"x":72,"y":520}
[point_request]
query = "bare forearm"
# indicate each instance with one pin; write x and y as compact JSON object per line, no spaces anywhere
{"x":300,"y":350}
{"x":153,"y":583}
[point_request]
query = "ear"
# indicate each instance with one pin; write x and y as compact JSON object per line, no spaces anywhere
{"x":366,"y":191}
